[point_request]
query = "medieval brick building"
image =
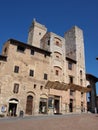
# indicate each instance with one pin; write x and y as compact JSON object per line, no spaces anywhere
{"x":45,"y":75}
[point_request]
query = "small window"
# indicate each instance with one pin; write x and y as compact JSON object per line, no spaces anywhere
{"x":48,"y":42}
{"x":41,"y":87}
{"x":70,"y":79}
{"x":32,"y":52}
{"x":45,"y":76}
{"x":16,"y":69}
{"x":34,"y":86}
{"x":80,"y":72}
{"x":31,"y":73}
{"x":71,"y":92}
{"x":57,"y":72}
{"x":57,"y":43}
{"x":57,"y":57}
{"x":16,"y":88}
{"x":20,"y":48}
{"x":69,"y":65}
{"x":81,"y":94}
{"x":39,"y":33}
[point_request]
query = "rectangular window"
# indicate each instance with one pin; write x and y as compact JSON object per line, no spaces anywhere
{"x":69,"y":65}
{"x":16,"y":69}
{"x":20,"y":49}
{"x":81,"y":94}
{"x":16,"y":88}
{"x":48,"y":42}
{"x":32,"y":52}
{"x":45,"y":76}
{"x":71,"y":92}
{"x":70,"y":79}
{"x":34,"y":86}
{"x":31,"y":73}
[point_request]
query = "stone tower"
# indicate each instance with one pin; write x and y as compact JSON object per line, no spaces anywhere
{"x":74,"y":45}
{"x":36,"y":32}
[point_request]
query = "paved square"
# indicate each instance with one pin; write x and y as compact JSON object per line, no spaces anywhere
{"x":56,"y":122}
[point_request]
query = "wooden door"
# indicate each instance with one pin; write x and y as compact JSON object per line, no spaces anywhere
{"x":29,"y":105}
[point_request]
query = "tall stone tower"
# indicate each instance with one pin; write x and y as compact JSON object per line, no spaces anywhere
{"x":36,"y":32}
{"x":74,"y":45}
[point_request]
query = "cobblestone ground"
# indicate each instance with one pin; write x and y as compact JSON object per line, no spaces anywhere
{"x":57,"y":122}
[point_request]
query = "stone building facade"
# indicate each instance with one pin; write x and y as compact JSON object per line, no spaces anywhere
{"x":44,"y":76}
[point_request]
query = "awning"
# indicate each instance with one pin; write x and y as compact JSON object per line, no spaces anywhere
{"x":55,"y":85}
{"x":63,"y":86}
{"x":79,"y":88}
{"x":13,"y":101}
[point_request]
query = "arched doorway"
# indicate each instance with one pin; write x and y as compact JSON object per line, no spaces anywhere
{"x":29,"y":105}
{"x":12,"y":106}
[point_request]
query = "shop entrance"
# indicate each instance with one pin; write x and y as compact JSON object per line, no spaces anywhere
{"x":56,"y":105}
{"x":12,"y":107}
{"x":71,"y":105}
{"x":43,"y":105}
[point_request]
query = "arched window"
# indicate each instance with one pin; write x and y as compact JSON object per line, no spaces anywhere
{"x":58,"y":70}
{"x":58,"y":41}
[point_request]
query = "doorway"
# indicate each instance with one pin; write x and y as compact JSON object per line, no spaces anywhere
{"x":29,"y":105}
{"x":43,"y":105}
{"x":12,"y":107}
{"x":71,"y":105}
{"x":56,"y":105}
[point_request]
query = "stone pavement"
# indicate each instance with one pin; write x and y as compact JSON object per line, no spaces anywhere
{"x":56,"y":122}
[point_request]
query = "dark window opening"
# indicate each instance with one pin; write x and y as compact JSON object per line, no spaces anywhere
{"x":48,"y":42}
{"x":34,"y":86}
{"x":39,"y":33}
{"x":57,"y":72}
{"x":82,"y":94}
{"x":70,"y":79}
{"x":31,"y":73}
{"x":32,"y":52}
{"x":20,"y":48}
{"x":16,"y":69}
{"x":71,"y":92}
{"x":45,"y":76}
{"x":57,"y":43}
{"x":57,"y":56}
{"x":69,"y":65}
{"x":41,"y":87}
{"x":16,"y":88}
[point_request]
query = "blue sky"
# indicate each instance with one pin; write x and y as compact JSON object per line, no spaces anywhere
{"x":58,"y":16}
